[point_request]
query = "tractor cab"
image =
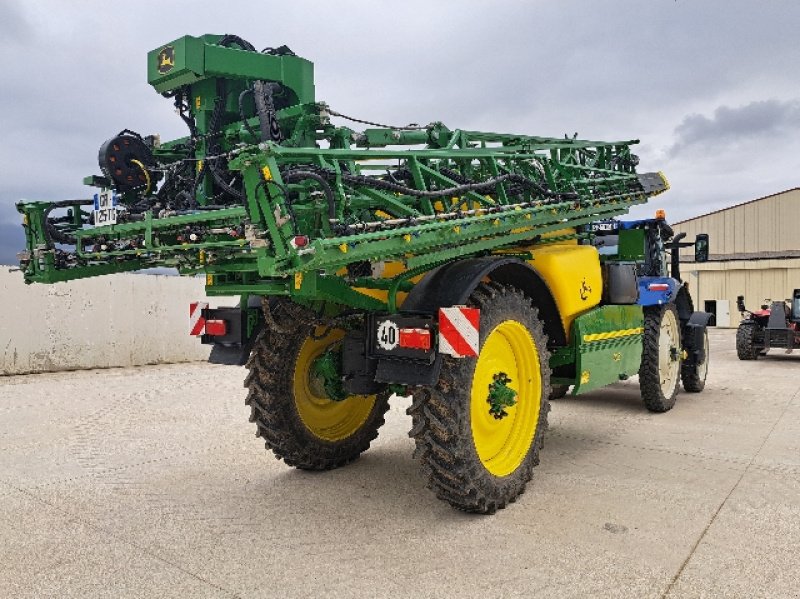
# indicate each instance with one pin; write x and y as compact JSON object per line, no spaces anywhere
{"x":795,"y":307}
{"x":641,"y":265}
{"x":650,"y":241}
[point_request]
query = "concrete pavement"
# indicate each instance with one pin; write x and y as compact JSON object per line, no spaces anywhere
{"x":148,"y":482}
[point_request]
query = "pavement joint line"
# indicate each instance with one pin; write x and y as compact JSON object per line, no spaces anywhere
{"x":147,"y":551}
{"x":83,"y":372}
{"x":781,"y":469}
{"x":728,"y":496}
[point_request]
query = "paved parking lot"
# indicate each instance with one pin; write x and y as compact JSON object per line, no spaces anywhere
{"x":149,"y":482}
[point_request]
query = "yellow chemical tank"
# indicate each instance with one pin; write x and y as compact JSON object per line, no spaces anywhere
{"x":573,"y":274}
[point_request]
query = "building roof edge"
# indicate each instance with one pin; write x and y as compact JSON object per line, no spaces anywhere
{"x":772,"y":195}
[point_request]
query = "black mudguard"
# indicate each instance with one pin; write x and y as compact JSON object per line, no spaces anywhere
{"x":777,"y":332}
{"x":693,"y":335}
{"x":452,"y":285}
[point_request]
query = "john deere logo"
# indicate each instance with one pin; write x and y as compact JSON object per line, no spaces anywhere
{"x":166,"y":59}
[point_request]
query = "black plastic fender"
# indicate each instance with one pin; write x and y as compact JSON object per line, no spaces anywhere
{"x":451,"y":285}
{"x":778,"y":332}
{"x":684,"y":304}
{"x":778,"y":317}
{"x":693,"y":336}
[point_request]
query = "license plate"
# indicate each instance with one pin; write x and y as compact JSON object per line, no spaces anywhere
{"x":105,"y":207}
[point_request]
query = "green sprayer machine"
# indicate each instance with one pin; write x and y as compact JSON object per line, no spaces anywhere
{"x":483,"y":274}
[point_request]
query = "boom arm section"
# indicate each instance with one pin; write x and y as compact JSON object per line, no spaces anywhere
{"x":268,"y":197}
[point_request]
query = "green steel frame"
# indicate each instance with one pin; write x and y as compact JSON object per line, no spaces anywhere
{"x":324,"y":198}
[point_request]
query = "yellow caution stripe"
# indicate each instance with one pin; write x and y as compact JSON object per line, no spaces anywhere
{"x":612,"y":335}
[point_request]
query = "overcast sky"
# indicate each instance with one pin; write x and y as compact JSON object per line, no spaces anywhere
{"x":710,"y":87}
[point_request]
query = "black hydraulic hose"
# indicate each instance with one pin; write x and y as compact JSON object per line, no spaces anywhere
{"x":295,"y":175}
{"x":182,"y":107}
{"x":226,"y":187}
{"x":189,"y":123}
{"x":229,"y":39}
{"x":192,"y":181}
{"x":450,"y":191}
{"x":188,"y":199}
{"x":52,"y":233}
{"x":279,"y":51}
{"x":455,"y":176}
{"x":214,"y":147}
{"x":400,"y":175}
{"x":322,"y":176}
{"x":404,"y":174}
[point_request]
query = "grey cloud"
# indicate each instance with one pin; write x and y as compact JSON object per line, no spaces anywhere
{"x":610,"y":70}
{"x":12,"y":240}
{"x":14,"y":27}
{"x":754,"y":120}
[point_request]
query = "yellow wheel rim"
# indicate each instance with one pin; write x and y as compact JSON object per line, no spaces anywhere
{"x":329,"y":420}
{"x":503,"y":444}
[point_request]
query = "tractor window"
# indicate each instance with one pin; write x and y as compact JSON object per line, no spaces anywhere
{"x":607,"y":245}
{"x":796,"y":306}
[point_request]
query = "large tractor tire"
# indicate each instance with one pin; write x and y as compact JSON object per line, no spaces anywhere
{"x":746,"y":348}
{"x":660,"y":370}
{"x":694,"y":375}
{"x":475,"y":458}
{"x":292,"y":410}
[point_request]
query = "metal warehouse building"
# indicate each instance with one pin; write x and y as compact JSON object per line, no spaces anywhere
{"x":755,"y":252}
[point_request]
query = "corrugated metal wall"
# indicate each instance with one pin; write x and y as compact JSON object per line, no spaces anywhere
{"x":761,"y":227}
{"x":757,"y":285}
{"x":766,"y":225}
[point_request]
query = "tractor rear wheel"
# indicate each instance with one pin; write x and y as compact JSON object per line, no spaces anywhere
{"x":694,"y":375}
{"x":290,"y":401}
{"x":479,"y":430}
{"x":660,"y":370}
{"x":746,"y":348}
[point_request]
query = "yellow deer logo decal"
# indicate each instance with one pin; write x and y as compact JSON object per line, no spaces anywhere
{"x":166,"y":59}
{"x":585,"y":290}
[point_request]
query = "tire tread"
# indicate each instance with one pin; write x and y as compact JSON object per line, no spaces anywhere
{"x":440,"y":422}
{"x":270,"y":397}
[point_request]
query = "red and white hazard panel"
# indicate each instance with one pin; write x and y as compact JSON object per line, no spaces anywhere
{"x":458,"y":331}
{"x":197,"y":323}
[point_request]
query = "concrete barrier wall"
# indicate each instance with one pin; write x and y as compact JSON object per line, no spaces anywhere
{"x":116,"y":320}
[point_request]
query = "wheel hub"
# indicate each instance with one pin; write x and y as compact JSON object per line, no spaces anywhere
{"x":673,"y":354}
{"x":501,"y":396}
{"x":325,"y":378}
{"x":325,"y":418}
